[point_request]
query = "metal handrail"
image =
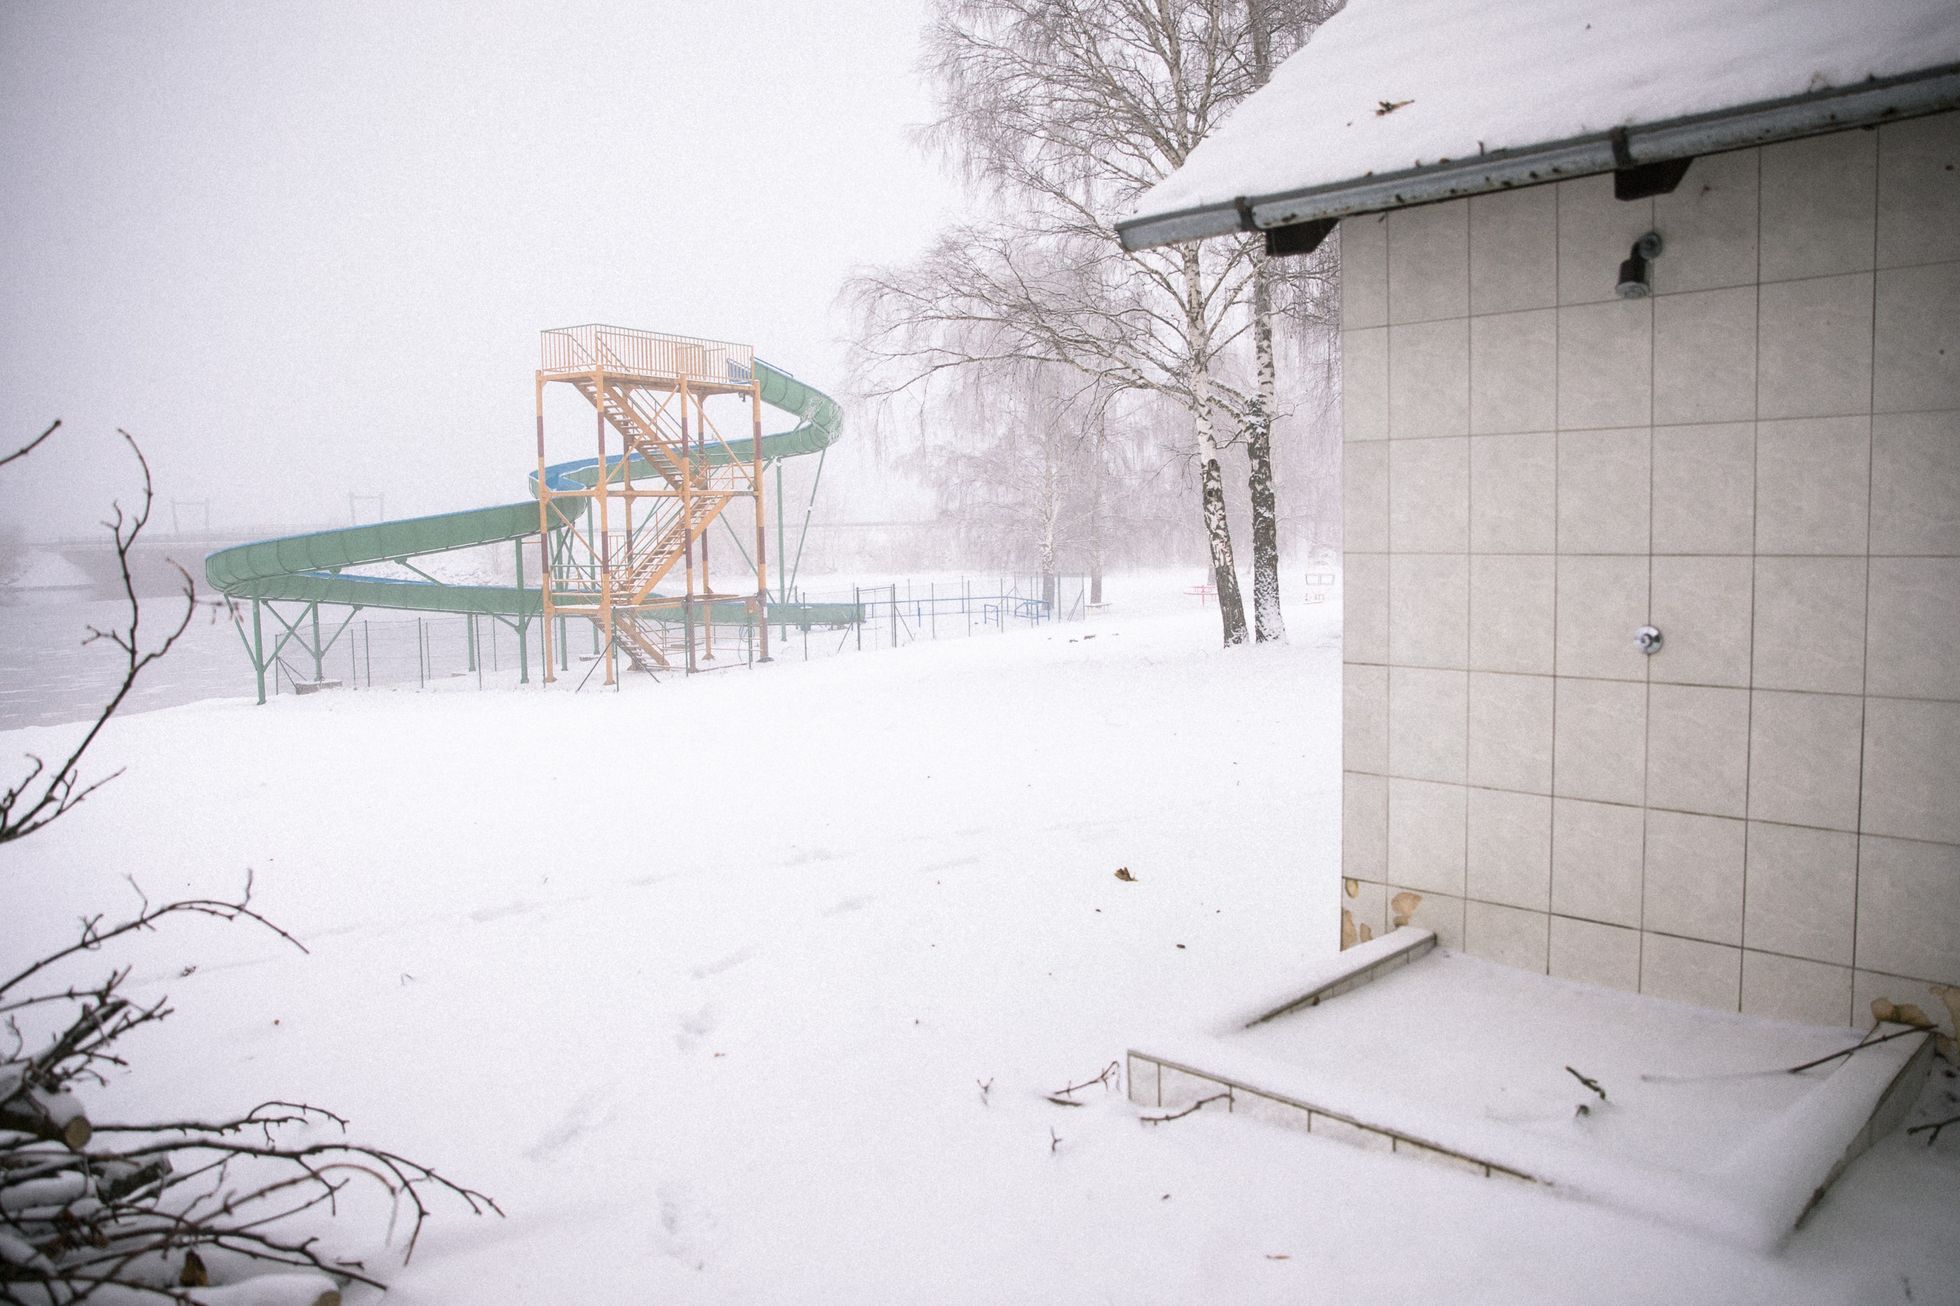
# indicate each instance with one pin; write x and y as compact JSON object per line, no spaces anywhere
{"x":564,"y":350}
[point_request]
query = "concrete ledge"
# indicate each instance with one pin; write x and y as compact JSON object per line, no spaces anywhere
{"x":1352,"y":968}
{"x":1757,"y":1196}
{"x":1877,"y":1093}
{"x":1166,"y":1085}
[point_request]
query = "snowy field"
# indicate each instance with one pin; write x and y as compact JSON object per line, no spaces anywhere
{"x":749,"y":988}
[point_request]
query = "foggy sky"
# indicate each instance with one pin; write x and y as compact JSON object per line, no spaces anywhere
{"x":303,"y":250}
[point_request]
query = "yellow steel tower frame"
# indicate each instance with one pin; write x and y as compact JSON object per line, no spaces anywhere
{"x":662,"y":475}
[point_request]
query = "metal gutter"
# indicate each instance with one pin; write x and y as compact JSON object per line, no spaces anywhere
{"x":1880,"y":100}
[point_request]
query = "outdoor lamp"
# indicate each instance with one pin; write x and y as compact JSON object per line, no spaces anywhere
{"x":1633,"y":269}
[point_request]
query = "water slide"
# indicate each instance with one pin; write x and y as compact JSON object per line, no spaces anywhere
{"x":310,"y":568}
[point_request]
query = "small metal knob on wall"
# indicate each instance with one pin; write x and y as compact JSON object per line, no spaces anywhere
{"x":1649,"y":639}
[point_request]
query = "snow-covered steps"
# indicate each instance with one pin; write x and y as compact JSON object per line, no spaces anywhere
{"x":1711,"y":1120}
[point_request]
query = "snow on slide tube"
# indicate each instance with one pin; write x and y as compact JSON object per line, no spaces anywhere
{"x":306,"y":568}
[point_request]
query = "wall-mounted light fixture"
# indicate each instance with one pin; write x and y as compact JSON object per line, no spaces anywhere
{"x":1633,"y":269}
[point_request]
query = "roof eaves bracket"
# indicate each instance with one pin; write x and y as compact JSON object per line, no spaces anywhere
{"x":1643,"y":181}
{"x":1298,"y":237}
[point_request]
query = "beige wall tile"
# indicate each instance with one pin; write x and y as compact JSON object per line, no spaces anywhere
{"x":1427,"y":714}
{"x":1364,"y":496}
{"x":1705,"y":356}
{"x":1372,"y":1140}
{"x":1912,"y":769}
{"x":1606,"y":364}
{"x":1595,"y":231}
{"x":1819,"y":201}
{"x":1510,"y":744}
{"x":1915,"y":628}
{"x":1916,"y":338}
{"x":1514,"y":372}
{"x":1440,"y":913}
{"x":1364,"y":384}
{"x":1803,"y":888}
{"x":1510,"y":852}
{"x":1600,"y":740}
{"x":1429,"y":495}
{"x":1596,"y":861}
{"x":1811,"y":485}
{"x":1915,"y":483}
{"x":1814,"y":347}
{"x":1694,"y":877}
{"x":1514,"y":493}
{"x":1568,"y":467}
{"x":1364,"y":271}
{"x":1429,"y":609}
{"x":1705,"y":488}
{"x":1364,"y":906}
{"x":1602,"y":604}
{"x":1176,"y":1088}
{"x":1514,"y":250}
{"x":1364,"y":607}
{"x":1603,"y":490}
{"x":1803,"y":759}
{"x":1426,"y":826}
{"x":1698,"y":750}
{"x":1918,"y":189}
{"x":1909,"y":908}
{"x":1709,"y":223}
{"x":1429,"y":262}
{"x":1688,"y":970}
{"x":1429,"y":379}
{"x":1596,"y":954}
{"x":1506,"y":935}
{"x":1785,"y":988}
{"x":1703,"y":608}
{"x":1143,"y":1075}
{"x":1268,"y":1110}
{"x":1364,"y":719}
{"x":1511,"y":598}
{"x":1810,"y":624}
{"x":1364,"y":826}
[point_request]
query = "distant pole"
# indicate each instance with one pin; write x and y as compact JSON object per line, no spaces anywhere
{"x":523,"y":619}
{"x":258,"y":650}
{"x":319,"y":668}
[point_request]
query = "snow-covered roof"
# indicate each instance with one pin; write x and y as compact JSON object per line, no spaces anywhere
{"x":1396,"y":102}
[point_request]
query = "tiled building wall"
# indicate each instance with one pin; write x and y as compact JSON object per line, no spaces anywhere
{"x":1763,"y":460}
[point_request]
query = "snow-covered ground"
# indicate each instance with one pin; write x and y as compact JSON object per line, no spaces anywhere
{"x":749,"y":988}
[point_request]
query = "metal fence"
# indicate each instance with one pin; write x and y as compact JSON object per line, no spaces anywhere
{"x":444,"y":651}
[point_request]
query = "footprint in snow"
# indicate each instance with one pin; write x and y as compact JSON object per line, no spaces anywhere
{"x":696,"y":1027}
{"x":711,"y":968}
{"x":484,"y":915}
{"x":848,"y":905}
{"x":574,"y":1123}
{"x":684,"y":1224}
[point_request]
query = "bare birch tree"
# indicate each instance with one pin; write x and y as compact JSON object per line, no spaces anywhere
{"x":1065,"y":112}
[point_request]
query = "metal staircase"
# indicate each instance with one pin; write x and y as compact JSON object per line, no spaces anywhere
{"x":649,"y":506}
